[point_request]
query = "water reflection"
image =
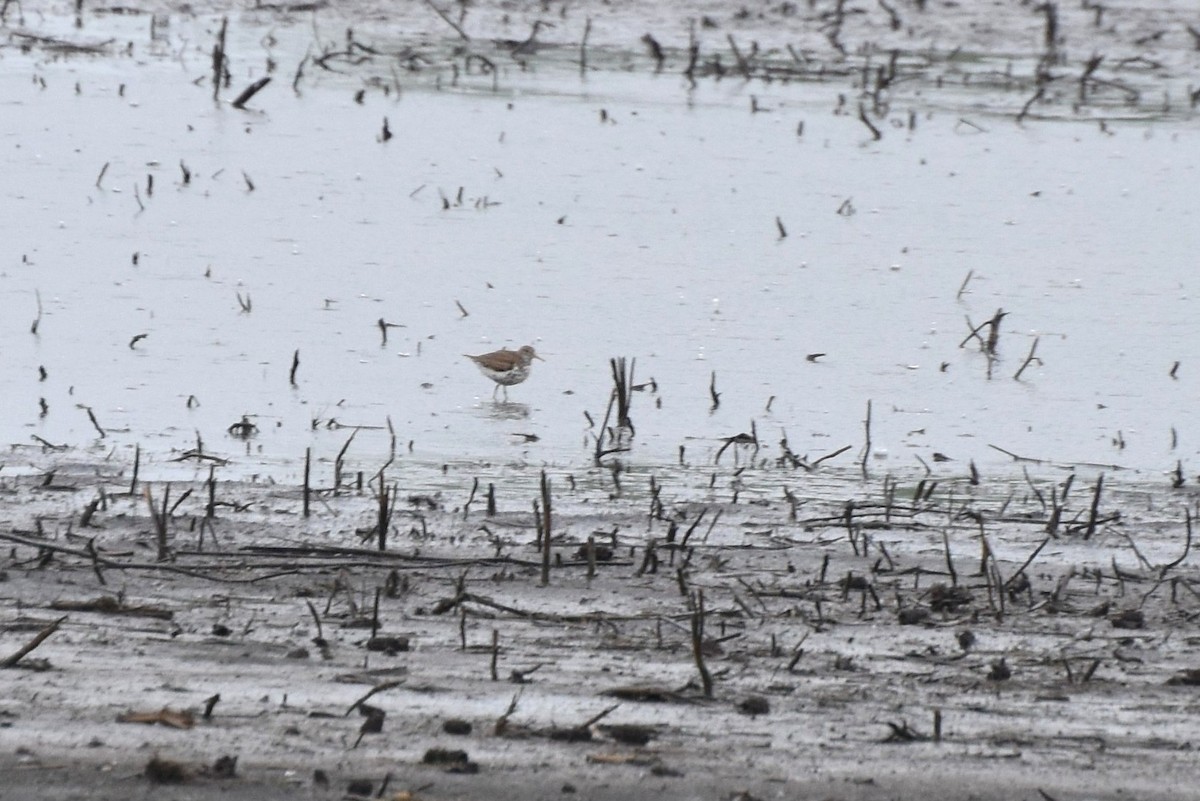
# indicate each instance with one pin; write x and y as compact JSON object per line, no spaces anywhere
{"x":506,"y":410}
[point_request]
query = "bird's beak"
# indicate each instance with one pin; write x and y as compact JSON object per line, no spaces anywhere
{"x":539,"y":358}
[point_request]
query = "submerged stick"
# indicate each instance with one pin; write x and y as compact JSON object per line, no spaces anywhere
{"x":963,"y":287}
{"x":249,"y":92}
{"x":378,"y":688}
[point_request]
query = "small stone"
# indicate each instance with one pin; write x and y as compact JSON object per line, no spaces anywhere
{"x":456,"y":726}
{"x":754,"y":705}
{"x":360,"y":788}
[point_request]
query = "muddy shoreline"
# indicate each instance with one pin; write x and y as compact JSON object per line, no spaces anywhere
{"x":831,"y":642}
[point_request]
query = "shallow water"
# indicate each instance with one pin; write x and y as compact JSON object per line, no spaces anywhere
{"x":620,"y":215}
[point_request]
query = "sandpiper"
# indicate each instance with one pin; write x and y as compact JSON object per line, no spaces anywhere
{"x":506,"y":367}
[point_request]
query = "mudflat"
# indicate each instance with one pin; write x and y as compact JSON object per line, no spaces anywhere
{"x":812,"y":635}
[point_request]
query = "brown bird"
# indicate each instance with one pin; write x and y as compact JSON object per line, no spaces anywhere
{"x":506,"y":367}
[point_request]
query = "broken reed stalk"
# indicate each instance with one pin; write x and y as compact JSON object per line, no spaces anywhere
{"x":378,"y":688}
{"x":1089,"y":67}
{"x":137,"y":463}
{"x":375,"y":613}
{"x":546,"y":527}
{"x":1029,"y":359}
{"x":623,"y":389}
{"x":743,"y":65}
{"x":320,"y":638}
{"x":949,"y":560}
{"x":963,"y":287}
{"x":295,"y":367}
{"x":95,"y":423}
{"x":797,"y":652}
{"x":591,"y":557}
{"x":387,"y":504}
{"x":160,"y":522}
{"x":698,"y":642}
{"x":1012,"y":579}
{"x":587,"y":29}
{"x":876,"y":134}
{"x":1024,"y":112}
{"x":218,"y":59}
{"x":307,"y":480}
{"x":1051,"y":31}
{"x":866,"y":447}
{"x":501,"y":725}
{"x":993,"y":339}
{"x":471,"y":497}
{"x":24,"y":650}
{"x":689,"y":72}
{"x":1092,"y":515}
{"x":495,"y":654}
{"x":91,"y":549}
{"x":1187,"y":545}
{"x":337,"y":463}
{"x":600,"y":449}
{"x":987,"y":346}
{"x":211,"y":506}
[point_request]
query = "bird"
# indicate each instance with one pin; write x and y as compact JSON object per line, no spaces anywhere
{"x":506,"y":367}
